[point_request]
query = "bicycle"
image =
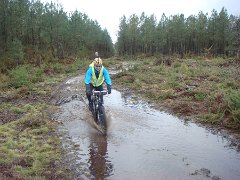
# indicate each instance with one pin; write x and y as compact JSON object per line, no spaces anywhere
{"x":98,"y":111}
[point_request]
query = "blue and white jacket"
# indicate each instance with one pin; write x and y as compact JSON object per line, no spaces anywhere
{"x":88,"y":76}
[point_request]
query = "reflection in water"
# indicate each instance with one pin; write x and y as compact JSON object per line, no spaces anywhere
{"x":100,"y":166}
{"x":144,"y":143}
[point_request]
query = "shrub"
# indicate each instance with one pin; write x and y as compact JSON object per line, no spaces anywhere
{"x":19,"y":77}
{"x":233,"y":104}
{"x":172,"y":80}
{"x":37,"y":75}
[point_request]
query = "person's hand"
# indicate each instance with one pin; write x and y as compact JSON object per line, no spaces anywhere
{"x":109,"y":89}
{"x":88,"y":89}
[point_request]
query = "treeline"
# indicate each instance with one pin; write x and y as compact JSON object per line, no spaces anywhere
{"x":32,"y":32}
{"x":218,"y":34}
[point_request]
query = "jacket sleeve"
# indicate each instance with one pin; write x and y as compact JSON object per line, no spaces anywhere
{"x":107,"y":77}
{"x":88,"y":76}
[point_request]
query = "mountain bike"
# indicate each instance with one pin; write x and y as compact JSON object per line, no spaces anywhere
{"x":98,"y":112}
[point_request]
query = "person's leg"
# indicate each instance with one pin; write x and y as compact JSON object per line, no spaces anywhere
{"x":90,"y":103}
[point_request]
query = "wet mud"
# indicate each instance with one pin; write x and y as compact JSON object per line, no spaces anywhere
{"x":142,"y":142}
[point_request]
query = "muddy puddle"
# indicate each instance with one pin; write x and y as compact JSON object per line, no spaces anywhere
{"x":141,"y":142}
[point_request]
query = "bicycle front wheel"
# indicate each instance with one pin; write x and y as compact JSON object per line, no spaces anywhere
{"x":102,"y":117}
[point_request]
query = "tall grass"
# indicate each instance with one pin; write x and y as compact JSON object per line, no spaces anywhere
{"x":232,"y":98}
{"x":26,"y":75}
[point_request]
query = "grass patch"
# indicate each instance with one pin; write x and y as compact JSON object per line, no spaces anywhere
{"x":30,"y":144}
{"x":211,"y":118}
{"x":199,"y":96}
{"x":232,"y":98}
{"x":210,"y":87}
{"x":30,"y":147}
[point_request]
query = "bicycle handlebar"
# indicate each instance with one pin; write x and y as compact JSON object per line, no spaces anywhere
{"x":104,"y":92}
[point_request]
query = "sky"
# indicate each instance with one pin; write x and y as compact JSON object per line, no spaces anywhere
{"x":108,"y":12}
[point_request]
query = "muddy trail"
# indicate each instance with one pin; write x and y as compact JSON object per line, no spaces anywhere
{"x":142,"y":142}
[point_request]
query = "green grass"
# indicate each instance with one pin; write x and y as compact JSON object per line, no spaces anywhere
{"x":192,"y":81}
{"x":30,"y":146}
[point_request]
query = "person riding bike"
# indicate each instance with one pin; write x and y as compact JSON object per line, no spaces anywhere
{"x":95,"y":76}
{"x":96,"y":55}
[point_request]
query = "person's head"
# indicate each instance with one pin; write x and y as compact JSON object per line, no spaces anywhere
{"x":96,"y":55}
{"x":98,"y":64}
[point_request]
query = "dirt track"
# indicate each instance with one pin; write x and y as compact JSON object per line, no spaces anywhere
{"x":141,"y":142}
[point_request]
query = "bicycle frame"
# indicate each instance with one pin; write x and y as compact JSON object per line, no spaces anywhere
{"x":98,"y":108}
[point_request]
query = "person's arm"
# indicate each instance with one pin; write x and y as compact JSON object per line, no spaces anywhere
{"x":107,"y":80}
{"x":107,"y":77}
{"x":88,"y":76}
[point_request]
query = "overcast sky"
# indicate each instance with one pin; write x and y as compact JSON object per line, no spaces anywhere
{"x":108,"y":12}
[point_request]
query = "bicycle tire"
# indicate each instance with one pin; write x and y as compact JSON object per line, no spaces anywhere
{"x":95,"y":112}
{"x":102,"y":117}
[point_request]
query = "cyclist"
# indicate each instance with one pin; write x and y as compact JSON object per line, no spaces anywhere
{"x":94,"y":79}
{"x":96,"y":57}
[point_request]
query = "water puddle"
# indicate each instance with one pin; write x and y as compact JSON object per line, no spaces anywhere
{"x":144,"y":143}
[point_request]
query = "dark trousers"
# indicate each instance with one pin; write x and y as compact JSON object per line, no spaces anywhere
{"x":99,"y":88}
